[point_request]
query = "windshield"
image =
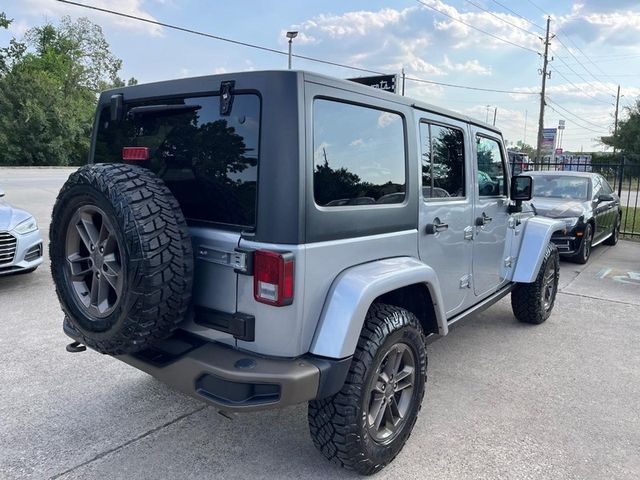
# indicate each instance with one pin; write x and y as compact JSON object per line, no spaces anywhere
{"x":208,"y":161}
{"x":548,"y":186}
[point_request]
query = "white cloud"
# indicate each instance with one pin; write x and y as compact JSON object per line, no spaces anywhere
{"x":471,"y":66}
{"x":604,"y":27}
{"x":358,"y":142}
{"x":39,"y":8}
{"x":385,"y":119}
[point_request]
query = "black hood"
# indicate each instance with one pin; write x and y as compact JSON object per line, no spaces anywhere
{"x":558,"y":207}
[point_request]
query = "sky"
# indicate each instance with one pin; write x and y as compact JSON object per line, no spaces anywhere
{"x":596,"y":48}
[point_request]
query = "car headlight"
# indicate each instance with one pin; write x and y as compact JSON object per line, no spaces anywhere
{"x":570,"y":222}
{"x":28,"y":226}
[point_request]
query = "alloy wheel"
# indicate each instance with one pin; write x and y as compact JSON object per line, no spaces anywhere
{"x":549,"y":286}
{"x":94,"y":261}
{"x":391,"y":393}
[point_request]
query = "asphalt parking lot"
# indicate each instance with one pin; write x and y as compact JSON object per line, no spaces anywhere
{"x":504,"y":400}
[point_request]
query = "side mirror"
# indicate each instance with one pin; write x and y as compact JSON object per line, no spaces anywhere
{"x":1,"y":193}
{"x":605,"y":197}
{"x":521,"y":188}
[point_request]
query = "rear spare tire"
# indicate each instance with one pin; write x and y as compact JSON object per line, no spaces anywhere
{"x":121,"y":257}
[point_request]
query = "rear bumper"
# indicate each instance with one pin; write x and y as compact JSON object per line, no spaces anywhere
{"x":234,"y":380}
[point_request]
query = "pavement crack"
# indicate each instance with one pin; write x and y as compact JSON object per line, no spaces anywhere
{"x":127,"y":443}
{"x":599,"y":298}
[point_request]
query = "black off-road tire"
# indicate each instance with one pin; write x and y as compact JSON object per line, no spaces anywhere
{"x":584,"y":252}
{"x":338,"y":424}
{"x":615,"y":233}
{"x":156,"y":256}
{"x":528,"y":300}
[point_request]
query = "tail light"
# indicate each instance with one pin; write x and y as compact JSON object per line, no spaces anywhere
{"x":273,"y":277}
{"x":135,"y":153}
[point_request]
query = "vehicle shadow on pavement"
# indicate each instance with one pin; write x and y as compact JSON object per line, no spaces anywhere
{"x":204,"y":444}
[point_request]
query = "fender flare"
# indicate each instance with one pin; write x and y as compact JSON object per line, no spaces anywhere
{"x":536,"y":235}
{"x":353,"y":292}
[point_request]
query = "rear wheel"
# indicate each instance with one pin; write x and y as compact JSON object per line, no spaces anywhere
{"x":533,"y":302}
{"x":615,"y":234}
{"x":365,"y":425}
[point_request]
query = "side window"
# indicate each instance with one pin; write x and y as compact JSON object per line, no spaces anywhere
{"x":491,"y":170}
{"x":597,"y":186}
{"x":358,"y":155}
{"x":442,"y":161}
{"x":606,"y":188}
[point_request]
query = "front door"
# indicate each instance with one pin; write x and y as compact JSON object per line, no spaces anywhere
{"x":445,"y":236}
{"x":490,"y":213}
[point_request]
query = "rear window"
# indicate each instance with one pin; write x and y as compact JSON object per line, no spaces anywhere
{"x":208,"y":161}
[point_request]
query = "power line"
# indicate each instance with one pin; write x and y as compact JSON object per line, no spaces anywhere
{"x":585,"y":56}
{"x":422,"y":80}
{"x":581,"y":89}
{"x":545,"y":13}
{"x":575,"y":117}
{"x":518,"y":15}
{"x":272,"y":50}
{"x":579,"y":62}
{"x":502,"y":19}
{"x":476,"y":28}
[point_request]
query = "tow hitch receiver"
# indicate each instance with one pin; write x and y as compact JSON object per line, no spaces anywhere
{"x":75,"y":347}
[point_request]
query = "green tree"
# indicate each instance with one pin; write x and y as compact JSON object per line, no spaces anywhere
{"x":48,"y":92}
{"x":627,"y":139}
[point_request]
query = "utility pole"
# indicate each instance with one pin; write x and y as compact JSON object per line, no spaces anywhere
{"x":525,"y":127}
{"x":495,"y":113}
{"x":545,"y":75}
{"x":403,"y":79}
{"x":615,"y":124}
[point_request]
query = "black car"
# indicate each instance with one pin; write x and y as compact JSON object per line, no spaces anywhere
{"x":587,"y":204}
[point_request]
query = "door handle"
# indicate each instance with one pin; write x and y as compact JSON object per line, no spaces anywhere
{"x":436,"y":227}
{"x":483,"y":220}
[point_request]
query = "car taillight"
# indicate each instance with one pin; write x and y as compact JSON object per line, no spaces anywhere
{"x":273,"y":277}
{"x":135,"y":153}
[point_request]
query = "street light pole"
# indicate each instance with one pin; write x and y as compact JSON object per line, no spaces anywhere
{"x":291,"y":36}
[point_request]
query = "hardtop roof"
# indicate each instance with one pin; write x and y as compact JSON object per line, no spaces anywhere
{"x":244,"y":78}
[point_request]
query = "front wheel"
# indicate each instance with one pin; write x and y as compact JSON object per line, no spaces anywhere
{"x":365,"y":425}
{"x":583,"y":254}
{"x":533,"y":302}
{"x":615,"y":234}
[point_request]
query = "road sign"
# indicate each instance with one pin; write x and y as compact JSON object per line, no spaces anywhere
{"x":383,"y":82}
{"x":560,"y":124}
{"x":548,"y":140}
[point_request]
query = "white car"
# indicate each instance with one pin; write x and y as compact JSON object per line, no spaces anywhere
{"x":20,"y":240}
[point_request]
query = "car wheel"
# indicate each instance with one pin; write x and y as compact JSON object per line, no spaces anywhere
{"x":533,"y":302}
{"x":365,"y":425}
{"x":121,"y":257}
{"x":583,"y":254}
{"x":615,"y":234}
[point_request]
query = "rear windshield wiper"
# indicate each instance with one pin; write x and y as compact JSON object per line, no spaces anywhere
{"x":148,"y":109}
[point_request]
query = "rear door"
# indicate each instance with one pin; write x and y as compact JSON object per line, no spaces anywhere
{"x":445,"y":224}
{"x":490,"y":212}
{"x":209,"y":161}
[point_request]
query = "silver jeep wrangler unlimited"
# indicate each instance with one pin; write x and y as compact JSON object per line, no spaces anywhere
{"x":263,"y":239}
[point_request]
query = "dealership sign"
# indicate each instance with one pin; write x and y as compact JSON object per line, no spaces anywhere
{"x":549,"y":140}
{"x":382,"y":82}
